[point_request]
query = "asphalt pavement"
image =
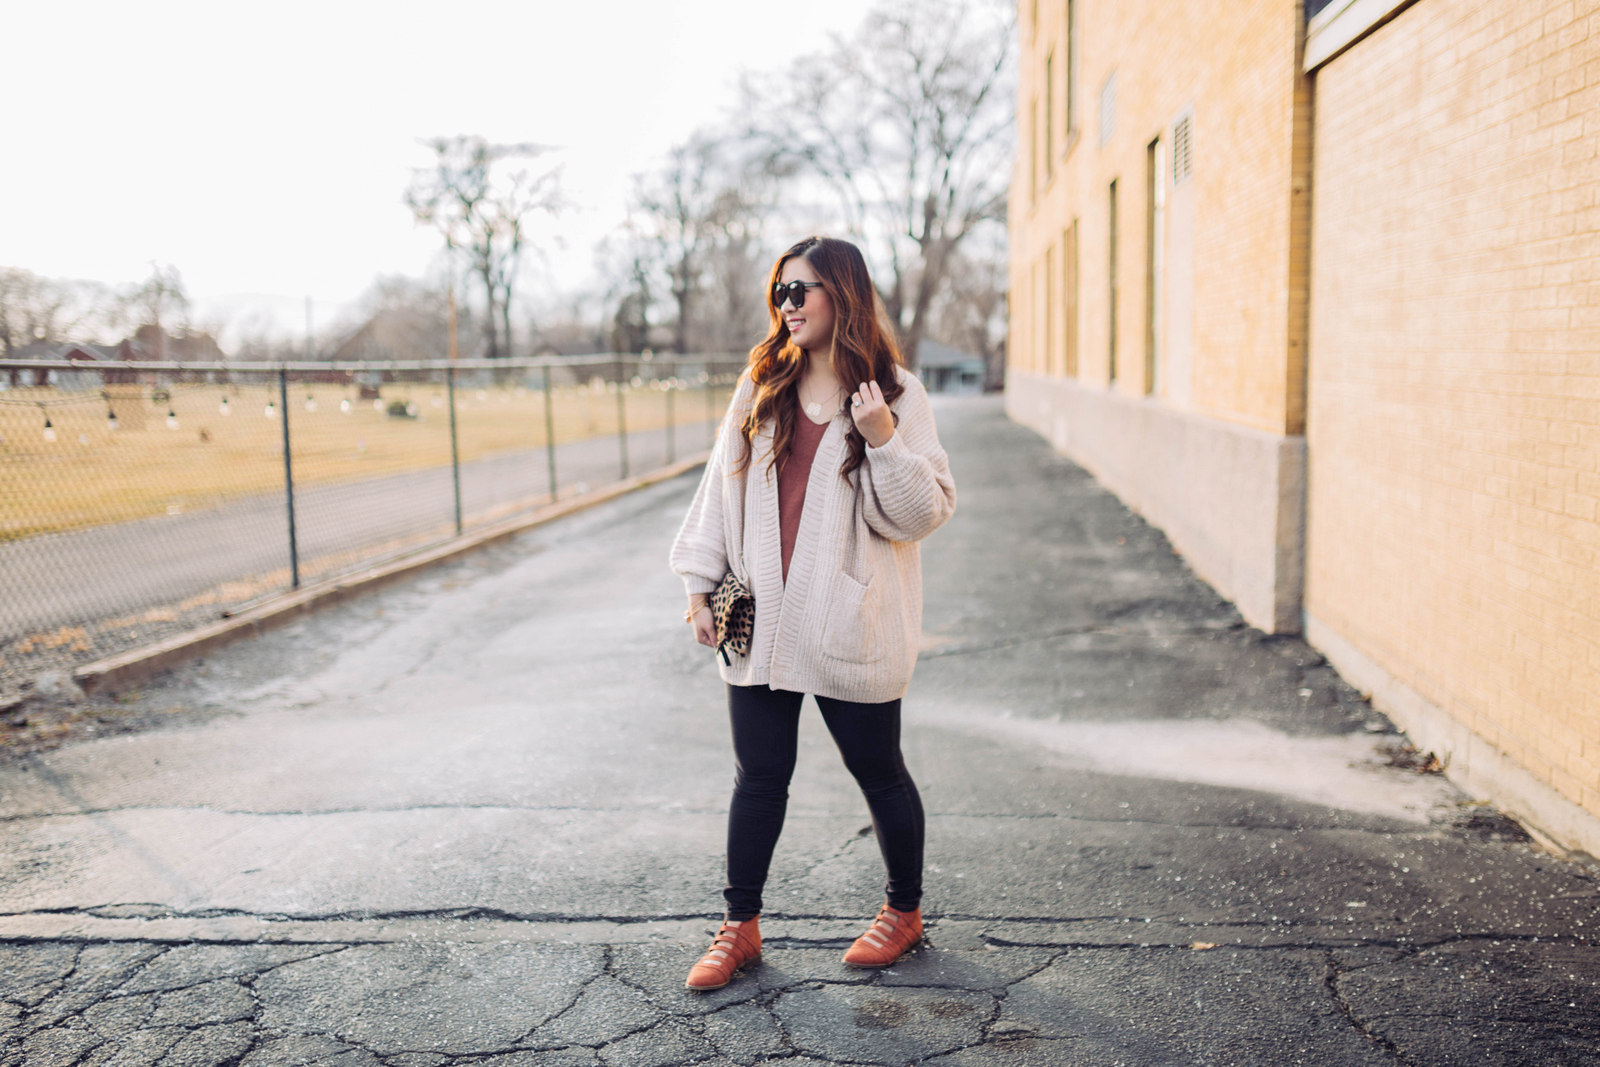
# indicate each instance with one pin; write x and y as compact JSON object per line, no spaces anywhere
{"x":477,"y":817}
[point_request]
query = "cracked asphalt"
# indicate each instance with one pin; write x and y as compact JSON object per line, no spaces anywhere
{"x":477,"y":817}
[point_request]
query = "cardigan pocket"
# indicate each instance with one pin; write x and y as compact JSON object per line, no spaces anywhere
{"x":851,"y":630}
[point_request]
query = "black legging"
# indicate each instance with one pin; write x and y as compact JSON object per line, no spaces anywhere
{"x":766,"y":726}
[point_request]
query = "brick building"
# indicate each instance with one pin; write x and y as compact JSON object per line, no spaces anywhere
{"x":1357,"y":386}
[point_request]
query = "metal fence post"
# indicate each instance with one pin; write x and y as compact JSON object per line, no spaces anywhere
{"x":288,"y":477}
{"x":672,"y":437}
{"x":455,"y":450}
{"x":549,"y":432}
{"x":622,"y":416}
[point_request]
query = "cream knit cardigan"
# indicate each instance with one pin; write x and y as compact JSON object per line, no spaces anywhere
{"x":848,"y":621}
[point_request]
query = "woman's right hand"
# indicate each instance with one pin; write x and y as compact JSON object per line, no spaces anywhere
{"x":705,"y":627}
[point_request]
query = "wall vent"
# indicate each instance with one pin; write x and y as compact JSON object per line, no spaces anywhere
{"x":1108,"y":109}
{"x":1182,"y":148}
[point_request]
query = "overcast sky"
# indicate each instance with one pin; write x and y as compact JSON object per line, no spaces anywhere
{"x":263,"y":149}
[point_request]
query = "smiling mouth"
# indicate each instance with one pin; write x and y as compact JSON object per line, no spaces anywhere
{"x":794,"y":323}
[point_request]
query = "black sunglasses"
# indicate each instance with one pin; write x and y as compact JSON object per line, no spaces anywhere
{"x":794,"y":292}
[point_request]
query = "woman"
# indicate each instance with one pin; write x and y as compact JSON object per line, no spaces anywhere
{"x":826,"y":473}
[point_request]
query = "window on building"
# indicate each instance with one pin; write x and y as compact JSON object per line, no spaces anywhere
{"x":1049,"y":115}
{"x":1033,"y":142}
{"x":1072,"y":73}
{"x":1069,"y":295}
{"x":1111,"y":275}
{"x":1108,"y":109}
{"x":1035,"y":358}
{"x":1049,"y":353}
{"x":1155,"y":202}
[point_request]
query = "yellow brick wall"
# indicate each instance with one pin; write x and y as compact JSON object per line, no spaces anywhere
{"x":1454,"y":371}
{"x":1235,"y":65}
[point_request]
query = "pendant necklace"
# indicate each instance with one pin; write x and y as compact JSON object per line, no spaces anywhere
{"x":813,"y":408}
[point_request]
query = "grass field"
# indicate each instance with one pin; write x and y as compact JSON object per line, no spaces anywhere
{"x":189,"y":446}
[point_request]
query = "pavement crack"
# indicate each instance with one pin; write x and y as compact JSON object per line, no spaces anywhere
{"x":329,"y":950}
{"x":527,"y":1038}
{"x":1037,"y":637}
{"x":398,"y":809}
{"x":1048,"y":920}
{"x":643,"y":1028}
{"x":84,"y":1055}
{"x":850,"y":842}
{"x":971,"y":647}
{"x":150,"y":911}
{"x":1031,"y":972}
{"x":1001,"y":1042}
{"x":1299,"y":827}
{"x":1408,"y":946}
{"x":1330,"y":980}
{"x":615,"y":972}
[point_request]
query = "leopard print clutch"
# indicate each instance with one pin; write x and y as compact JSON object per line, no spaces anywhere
{"x":734,"y":610}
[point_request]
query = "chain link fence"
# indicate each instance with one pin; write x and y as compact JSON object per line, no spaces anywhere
{"x":140,"y":499}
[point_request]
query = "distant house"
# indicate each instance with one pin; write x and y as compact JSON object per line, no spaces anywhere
{"x":186,"y":346}
{"x":19,"y":378}
{"x":948,"y":370}
{"x":75,"y":373}
{"x":396,"y":333}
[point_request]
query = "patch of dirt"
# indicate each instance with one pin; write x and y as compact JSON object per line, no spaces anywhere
{"x":1407,"y":757}
{"x":33,"y":724}
{"x":1490,"y":825}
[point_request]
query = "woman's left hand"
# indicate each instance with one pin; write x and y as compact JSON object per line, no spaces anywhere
{"x":872,"y":415}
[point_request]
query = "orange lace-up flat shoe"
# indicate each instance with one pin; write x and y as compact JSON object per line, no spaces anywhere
{"x":891,"y":935}
{"x":736,"y":944}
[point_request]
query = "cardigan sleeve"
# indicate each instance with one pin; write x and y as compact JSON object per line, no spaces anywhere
{"x":907,"y":488}
{"x":700,"y":553}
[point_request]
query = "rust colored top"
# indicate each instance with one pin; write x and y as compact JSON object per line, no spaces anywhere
{"x":792,"y":482}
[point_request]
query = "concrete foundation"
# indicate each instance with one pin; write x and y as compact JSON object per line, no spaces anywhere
{"x":1229,"y":498}
{"x":1472,"y":762}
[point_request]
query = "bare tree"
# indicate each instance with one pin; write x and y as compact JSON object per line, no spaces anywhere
{"x":701,"y":219}
{"x":569,"y":325}
{"x":671,"y":209}
{"x":733,"y":301}
{"x":35,"y":308}
{"x":258,"y":338}
{"x":155,"y":303}
{"x":479,"y":196}
{"x":971,"y":314}
{"x":631,"y":264}
{"x":909,"y":126}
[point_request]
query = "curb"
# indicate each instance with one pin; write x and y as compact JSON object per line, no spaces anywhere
{"x":114,"y":672}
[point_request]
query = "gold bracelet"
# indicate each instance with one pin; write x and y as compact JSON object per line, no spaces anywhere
{"x":688,"y":616}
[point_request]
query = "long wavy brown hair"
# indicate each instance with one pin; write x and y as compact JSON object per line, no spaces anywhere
{"x":863,"y":350}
